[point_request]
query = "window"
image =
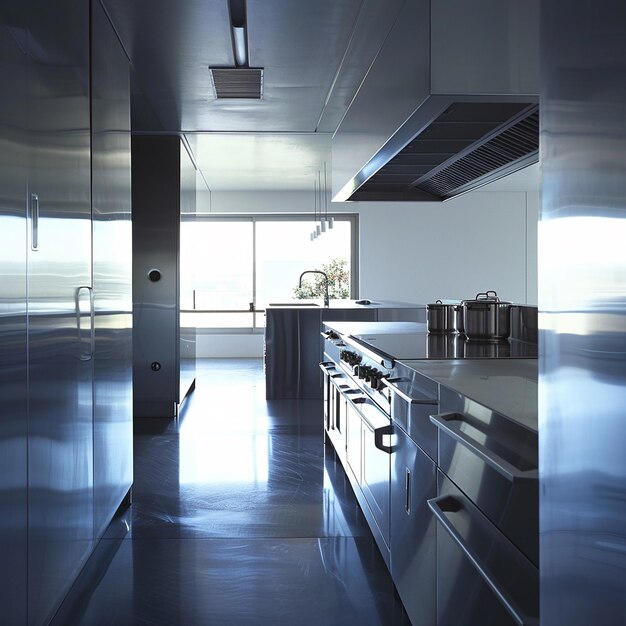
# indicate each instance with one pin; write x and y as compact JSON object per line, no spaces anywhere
{"x":233,"y":267}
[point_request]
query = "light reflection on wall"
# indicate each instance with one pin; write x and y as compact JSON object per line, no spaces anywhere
{"x":582,"y":244}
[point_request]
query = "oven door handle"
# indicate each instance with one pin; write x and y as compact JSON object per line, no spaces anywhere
{"x":379,"y":433}
{"x":450,"y":504}
{"x":327,"y":368}
{"x":496,"y":462}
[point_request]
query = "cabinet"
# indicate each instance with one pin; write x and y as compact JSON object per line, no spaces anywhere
{"x":413,"y":529}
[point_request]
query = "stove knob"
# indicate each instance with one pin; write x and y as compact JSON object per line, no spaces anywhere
{"x":364,"y":371}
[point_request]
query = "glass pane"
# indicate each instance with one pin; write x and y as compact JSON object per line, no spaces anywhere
{"x":285,"y":250}
{"x":216,"y":261}
{"x":216,"y":320}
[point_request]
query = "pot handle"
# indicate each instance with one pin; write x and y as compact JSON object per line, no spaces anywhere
{"x":487,"y":295}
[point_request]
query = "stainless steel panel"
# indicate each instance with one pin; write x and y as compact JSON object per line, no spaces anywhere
{"x":300,"y":45}
{"x":582,"y":302}
{"x":414,"y":398}
{"x":494,"y":462}
{"x":376,"y":467}
{"x":396,"y":83}
{"x":156,"y":220}
{"x":112,"y":271}
{"x":507,"y":57}
{"x":60,"y":433}
{"x":481,"y":577}
{"x":413,"y":529}
{"x":187,"y":335}
{"x":292,"y":354}
{"x":13,"y":371}
{"x":354,"y":446}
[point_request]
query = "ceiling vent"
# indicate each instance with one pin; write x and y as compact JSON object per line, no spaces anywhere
{"x":237,"y":82}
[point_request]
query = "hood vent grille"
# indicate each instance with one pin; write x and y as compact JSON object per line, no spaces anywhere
{"x":237,"y":82}
{"x":466,"y":146}
{"x":510,"y":145}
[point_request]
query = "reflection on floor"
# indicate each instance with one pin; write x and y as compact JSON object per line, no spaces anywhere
{"x":237,"y":518}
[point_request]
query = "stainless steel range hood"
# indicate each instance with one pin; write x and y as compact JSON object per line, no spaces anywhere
{"x":449,"y":104}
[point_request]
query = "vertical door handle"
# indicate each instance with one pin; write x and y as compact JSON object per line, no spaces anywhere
{"x":407,"y":489}
{"x":85,"y":337}
{"x":34,"y":221}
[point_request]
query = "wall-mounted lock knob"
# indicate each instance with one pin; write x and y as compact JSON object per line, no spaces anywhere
{"x":155,"y":366}
{"x":154,"y":276}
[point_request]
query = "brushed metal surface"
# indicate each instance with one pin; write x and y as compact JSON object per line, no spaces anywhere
{"x":13,"y":370}
{"x":413,"y":529}
{"x":156,"y":219}
{"x":292,"y":353}
{"x":481,"y":577}
{"x":299,"y":44}
{"x":112,"y":271}
{"x":582,"y":302}
{"x":60,"y":429}
{"x":510,"y":501}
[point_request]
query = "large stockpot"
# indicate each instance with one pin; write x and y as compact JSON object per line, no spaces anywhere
{"x":444,"y":318}
{"x":487,"y":318}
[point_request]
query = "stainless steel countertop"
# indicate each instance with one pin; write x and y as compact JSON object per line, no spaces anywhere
{"x":316,"y":305}
{"x":361,"y":329}
{"x":508,"y":386}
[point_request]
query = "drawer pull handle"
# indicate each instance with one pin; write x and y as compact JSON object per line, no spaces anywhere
{"x":444,"y":423}
{"x":450,"y":504}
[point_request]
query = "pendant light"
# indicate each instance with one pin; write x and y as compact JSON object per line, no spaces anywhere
{"x":314,"y":232}
{"x":331,"y":221}
{"x":323,"y":222}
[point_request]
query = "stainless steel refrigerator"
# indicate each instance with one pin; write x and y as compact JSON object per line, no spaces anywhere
{"x":582,"y":282}
{"x":65,"y":299}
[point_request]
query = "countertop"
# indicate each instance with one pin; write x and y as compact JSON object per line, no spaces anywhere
{"x":316,"y":305}
{"x":508,"y":386}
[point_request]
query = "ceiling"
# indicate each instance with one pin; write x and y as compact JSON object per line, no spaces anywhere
{"x":315,"y":54}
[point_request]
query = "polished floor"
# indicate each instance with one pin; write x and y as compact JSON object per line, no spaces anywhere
{"x":238,"y":517}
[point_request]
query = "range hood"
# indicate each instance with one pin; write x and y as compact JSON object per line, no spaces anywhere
{"x":449,"y":104}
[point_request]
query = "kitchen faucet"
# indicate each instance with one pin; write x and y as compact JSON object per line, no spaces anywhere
{"x":326,"y":300}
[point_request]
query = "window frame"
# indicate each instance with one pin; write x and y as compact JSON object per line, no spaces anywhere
{"x":352,"y":218}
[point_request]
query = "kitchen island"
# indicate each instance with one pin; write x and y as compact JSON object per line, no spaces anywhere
{"x":294,"y":346}
{"x":441,"y":453}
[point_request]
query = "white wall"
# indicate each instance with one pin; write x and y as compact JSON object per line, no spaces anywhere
{"x":416,"y":252}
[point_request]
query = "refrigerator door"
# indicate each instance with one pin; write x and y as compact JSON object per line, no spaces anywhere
{"x":112,"y":271}
{"x":13,"y":374}
{"x":60,"y":434}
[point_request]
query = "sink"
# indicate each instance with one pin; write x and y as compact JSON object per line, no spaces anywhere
{"x":294,"y":304}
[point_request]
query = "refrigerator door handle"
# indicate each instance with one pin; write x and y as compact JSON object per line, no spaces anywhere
{"x":86,"y":348}
{"x":34,"y":221}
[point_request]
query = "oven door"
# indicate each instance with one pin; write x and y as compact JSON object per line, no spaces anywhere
{"x":482,"y":578}
{"x":376,"y":452}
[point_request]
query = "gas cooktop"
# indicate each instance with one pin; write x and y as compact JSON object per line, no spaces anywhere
{"x":401,"y":341}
